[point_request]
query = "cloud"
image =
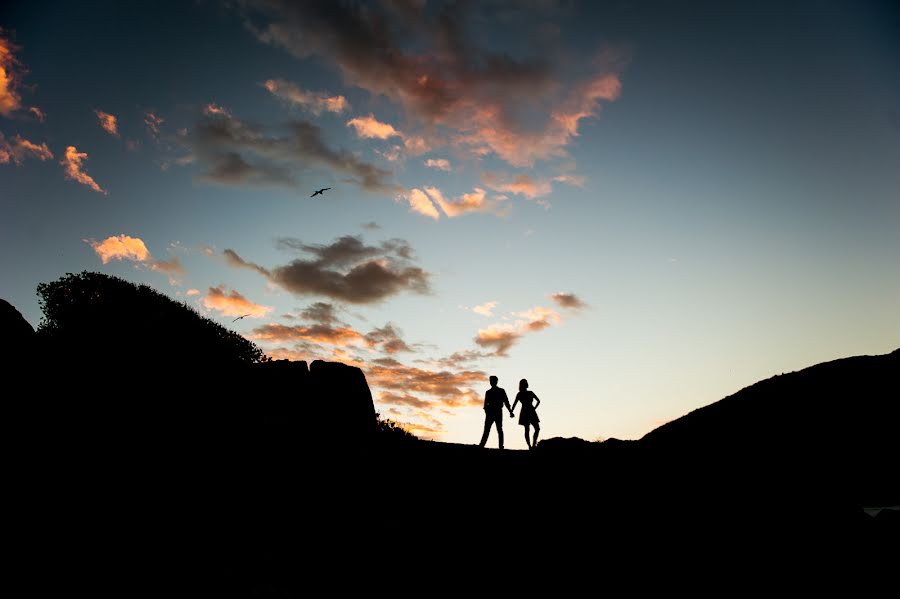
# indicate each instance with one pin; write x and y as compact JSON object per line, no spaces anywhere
{"x":485,"y":309}
{"x":125,"y":247}
{"x":120,"y":247}
{"x":235,"y":152}
{"x":73,"y":169}
{"x":441,"y":164}
{"x":476,"y":201}
{"x":317,"y":333}
{"x":521,"y":184}
{"x":232,"y":304}
{"x":38,"y":113}
{"x":315,"y":102}
{"x":389,"y":339}
{"x":213,"y":109}
{"x":171,"y":267}
{"x":447,"y":387}
{"x":568,"y":300}
{"x":371,"y":226}
{"x":570,"y":179}
{"x":191,"y":292}
{"x":419,"y":203}
{"x":345,"y":270}
{"x":153,"y":122}
{"x":320,"y":312}
{"x":500,"y":337}
{"x":108,"y":122}
{"x":18,"y":149}
{"x":11,"y":72}
{"x":368,"y":127}
{"x":521,"y":108}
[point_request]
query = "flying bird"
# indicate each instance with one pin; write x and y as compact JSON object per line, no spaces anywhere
{"x":240,"y":317}
{"x":319,"y":192}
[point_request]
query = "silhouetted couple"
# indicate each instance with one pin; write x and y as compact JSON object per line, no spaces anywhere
{"x":494,"y":400}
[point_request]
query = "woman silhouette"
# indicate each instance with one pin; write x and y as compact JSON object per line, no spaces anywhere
{"x":528,"y":414}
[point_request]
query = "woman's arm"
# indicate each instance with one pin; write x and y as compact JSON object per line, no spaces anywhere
{"x":537,"y":398}
{"x":514,"y":404}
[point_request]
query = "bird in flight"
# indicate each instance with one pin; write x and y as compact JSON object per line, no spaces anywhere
{"x":240,"y":317}
{"x":319,"y":192}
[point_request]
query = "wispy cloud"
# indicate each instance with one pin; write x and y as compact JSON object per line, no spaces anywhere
{"x":345,"y":270}
{"x":441,"y":164}
{"x":475,"y":201}
{"x":418,"y":202}
{"x":314,"y":102}
{"x":568,"y":300}
{"x":191,"y":292}
{"x":37,"y":113}
{"x":317,"y":333}
{"x":485,"y":309}
{"x":522,"y":184}
{"x":18,"y":149}
{"x":72,"y":165}
{"x":108,"y":122}
{"x":449,"y":86}
{"x":233,"y":303}
{"x":501,"y":337}
{"x":213,"y":109}
{"x":369,"y":127}
{"x":154,"y":123}
{"x":235,"y":152}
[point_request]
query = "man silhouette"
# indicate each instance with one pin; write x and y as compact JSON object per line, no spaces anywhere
{"x":494,"y":399}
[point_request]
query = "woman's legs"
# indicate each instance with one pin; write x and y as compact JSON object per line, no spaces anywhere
{"x":527,"y":440}
{"x":537,"y":429}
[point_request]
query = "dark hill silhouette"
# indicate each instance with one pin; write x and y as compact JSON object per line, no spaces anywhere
{"x":137,"y":462}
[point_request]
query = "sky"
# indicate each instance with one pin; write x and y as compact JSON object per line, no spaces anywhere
{"x":640,"y":207}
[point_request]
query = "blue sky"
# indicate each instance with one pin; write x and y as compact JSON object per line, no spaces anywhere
{"x":664,"y":203}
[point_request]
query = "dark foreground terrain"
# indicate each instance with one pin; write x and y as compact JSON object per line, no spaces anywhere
{"x":151,"y":470}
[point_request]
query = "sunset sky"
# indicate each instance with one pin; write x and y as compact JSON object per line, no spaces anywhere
{"x":640,"y":207}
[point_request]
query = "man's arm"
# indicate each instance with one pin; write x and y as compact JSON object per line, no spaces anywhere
{"x":506,"y":400}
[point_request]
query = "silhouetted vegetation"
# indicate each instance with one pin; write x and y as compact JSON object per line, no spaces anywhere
{"x":390,"y":430}
{"x":93,"y":312}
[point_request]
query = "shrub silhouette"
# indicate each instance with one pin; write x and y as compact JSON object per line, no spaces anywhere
{"x":93,"y":316}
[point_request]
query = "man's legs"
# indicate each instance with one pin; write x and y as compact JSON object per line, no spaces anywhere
{"x":487,"y":429}
{"x":499,"y":422}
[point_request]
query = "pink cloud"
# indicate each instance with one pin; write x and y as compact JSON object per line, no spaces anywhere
{"x":213,"y":109}
{"x":368,"y":127}
{"x":315,"y":102}
{"x":520,"y":184}
{"x":153,"y":122}
{"x":38,"y":113}
{"x":485,"y":309}
{"x":73,"y":169}
{"x":500,"y":337}
{"x":191,"y":292}
{"x":441,"y":164}
{"x":419,"y":202}
{"x":476,"y":201}
{"x":108,"y":122}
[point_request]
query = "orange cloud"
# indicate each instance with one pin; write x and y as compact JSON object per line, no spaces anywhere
{"x":419,"y":202}
{"x":232,"y":304}
{"x":19,"y":148}
{"x":213,"y":109}
{"x":191,"y":292}
{"x":521,"y":184}
{"x":476,"y":201}
{"x":37,"y":112}
{"x":171,"y":267}
{"x":441,"y":164}
{"x":120,"y":247}
{"x":10,"y":100}
{"x":315,"y":102}
{"x":570,"y":179}
{"x":108,"y":122}
{"x":369,"y":127}
{"x":72,"y":166}
{"x":317,"y":333}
